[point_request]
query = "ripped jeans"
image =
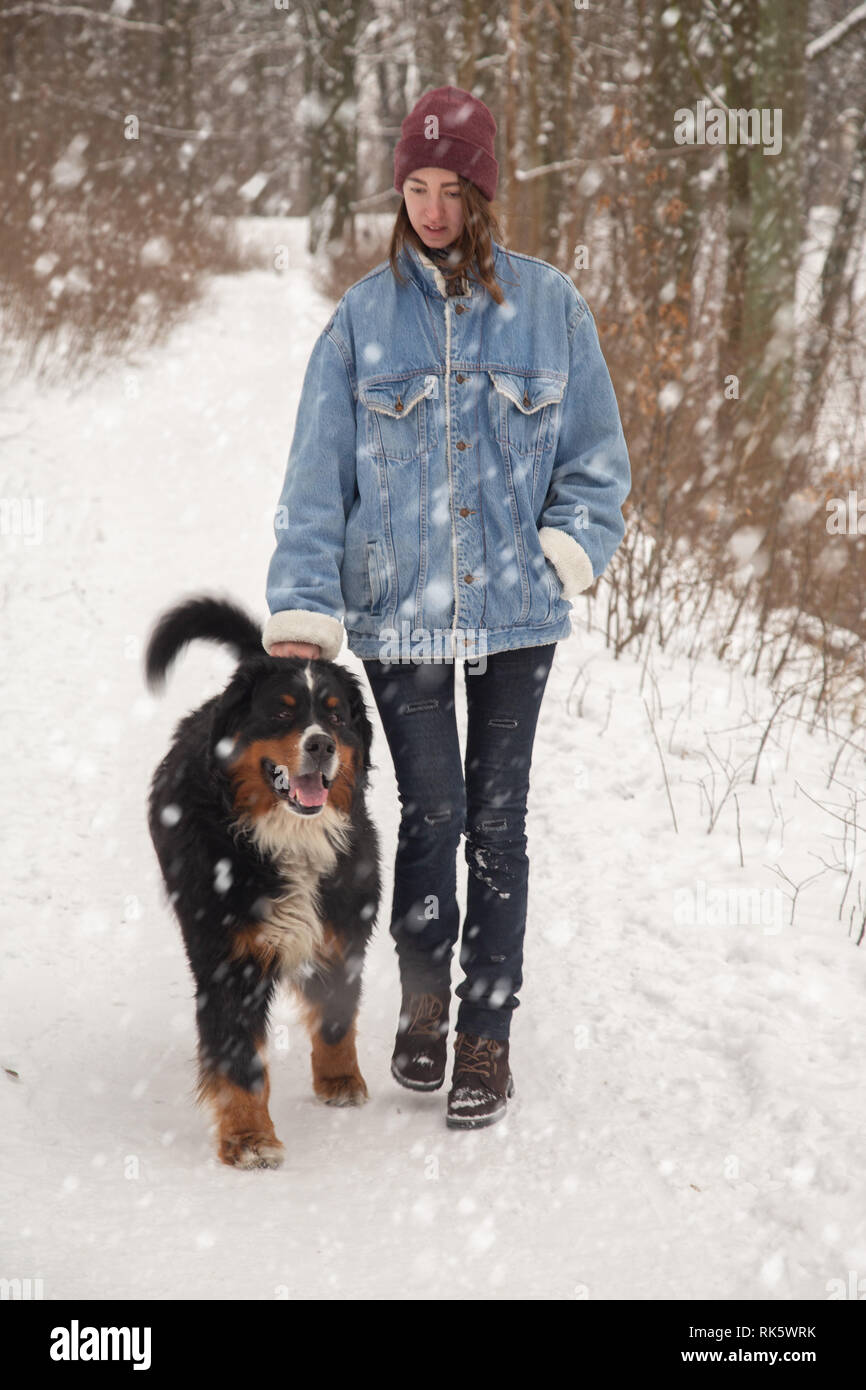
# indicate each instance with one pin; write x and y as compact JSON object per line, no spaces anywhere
{"x":416,"y":706}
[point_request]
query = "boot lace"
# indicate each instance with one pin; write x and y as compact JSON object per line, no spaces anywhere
{"x":425,"y":1011}
{"x":477,"y":1057}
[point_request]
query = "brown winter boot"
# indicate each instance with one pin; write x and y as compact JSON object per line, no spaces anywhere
{"x":482,"y":1082}
{"x":420,"y":1050}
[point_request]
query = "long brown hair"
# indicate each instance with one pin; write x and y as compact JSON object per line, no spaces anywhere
{"x":472,"y":252}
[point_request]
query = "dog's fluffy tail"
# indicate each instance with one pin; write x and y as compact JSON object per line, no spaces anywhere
{"x":211,"y":619}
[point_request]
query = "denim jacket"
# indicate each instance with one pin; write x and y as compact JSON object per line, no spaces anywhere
{"x":457,"y":470}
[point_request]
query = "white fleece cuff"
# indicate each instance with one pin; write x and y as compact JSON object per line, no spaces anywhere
{"x":569,"y":559}
{"x":302,"y":625}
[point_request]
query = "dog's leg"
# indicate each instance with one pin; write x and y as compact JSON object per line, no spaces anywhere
{"x":329,"y":1005}
{"x":233,"y":1075}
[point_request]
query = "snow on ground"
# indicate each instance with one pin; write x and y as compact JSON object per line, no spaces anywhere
{"x":689,"y":1102}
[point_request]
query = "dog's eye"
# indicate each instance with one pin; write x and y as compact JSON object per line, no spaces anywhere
{"x":285,"y":714}
{"x":336,"y":717}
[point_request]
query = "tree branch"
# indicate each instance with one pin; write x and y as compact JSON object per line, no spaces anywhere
{"x":82,"y":12}
{"x":837,"y":32}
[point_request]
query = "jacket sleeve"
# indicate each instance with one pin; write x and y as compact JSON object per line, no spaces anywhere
{"x":303,"y":584}
{"x":581,"y":523}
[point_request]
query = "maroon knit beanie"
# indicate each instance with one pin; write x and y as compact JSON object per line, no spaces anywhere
{"x":448,"y":128}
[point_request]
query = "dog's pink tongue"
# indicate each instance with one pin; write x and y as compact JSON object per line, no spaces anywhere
{"x":308,"y":789}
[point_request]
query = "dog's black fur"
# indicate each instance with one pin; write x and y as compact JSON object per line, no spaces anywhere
{"x":264,"y":886}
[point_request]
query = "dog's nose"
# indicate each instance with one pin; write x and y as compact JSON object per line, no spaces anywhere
{"x":319,"y":745}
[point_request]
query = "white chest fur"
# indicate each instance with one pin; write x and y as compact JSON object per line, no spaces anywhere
{"x":305,"y":851}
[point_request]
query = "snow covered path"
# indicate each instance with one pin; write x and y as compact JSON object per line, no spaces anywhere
{"x":689,"y":1110}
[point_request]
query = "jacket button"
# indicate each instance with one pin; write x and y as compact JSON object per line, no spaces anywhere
{"x":464,"y":511}
{"x":460,"y":377}
{"x":460,"y":308}
{"x":398,"y":405}
{"x":469,"y":578}
{"x":526,"y":401}
{"x":461,"y":444}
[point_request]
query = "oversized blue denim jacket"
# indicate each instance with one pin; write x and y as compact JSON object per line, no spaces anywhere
{"x":457,"y":470}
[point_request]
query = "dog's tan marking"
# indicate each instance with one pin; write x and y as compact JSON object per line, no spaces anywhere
{"x":254,"y":795}
{"x":331,"y":946}
{"x":337,"y":1078}
{"x":254,"y":941}
{"x":343,"y":785}
{"x":245,"y":1131}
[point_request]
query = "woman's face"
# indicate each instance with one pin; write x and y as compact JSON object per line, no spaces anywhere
{"x":434,"y":205}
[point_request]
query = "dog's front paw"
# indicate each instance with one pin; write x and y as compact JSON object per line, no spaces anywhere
{"x":251,"y":1150}
{"x":342,"y":1090}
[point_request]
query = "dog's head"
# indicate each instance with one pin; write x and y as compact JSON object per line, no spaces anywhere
{"x":292,"y":733}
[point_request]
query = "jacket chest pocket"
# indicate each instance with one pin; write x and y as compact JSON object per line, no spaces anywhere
{"x":401,"y":417}
{"x":525,"y":410}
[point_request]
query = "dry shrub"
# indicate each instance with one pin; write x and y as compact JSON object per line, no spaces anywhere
{"x":81,"y":284}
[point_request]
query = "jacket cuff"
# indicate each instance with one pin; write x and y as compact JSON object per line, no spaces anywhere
{"x":303,"y":625}
{"x":569,"y":559}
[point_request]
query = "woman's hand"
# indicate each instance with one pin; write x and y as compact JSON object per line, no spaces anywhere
{"x":306,"y":649}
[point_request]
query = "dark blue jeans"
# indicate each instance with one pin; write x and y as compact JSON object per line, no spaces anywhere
{"x":438,"y":805}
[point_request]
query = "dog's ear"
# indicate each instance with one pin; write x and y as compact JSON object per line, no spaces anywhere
{"x":360,"y":720}
{"x":228,"y":715}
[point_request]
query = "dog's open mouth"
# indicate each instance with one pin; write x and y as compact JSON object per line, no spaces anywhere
{"x":305,"y":792}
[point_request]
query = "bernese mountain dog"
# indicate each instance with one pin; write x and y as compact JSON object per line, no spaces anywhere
{"x":271,"y":863}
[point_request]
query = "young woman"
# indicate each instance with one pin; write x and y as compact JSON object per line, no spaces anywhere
{"x":456,"y":476}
